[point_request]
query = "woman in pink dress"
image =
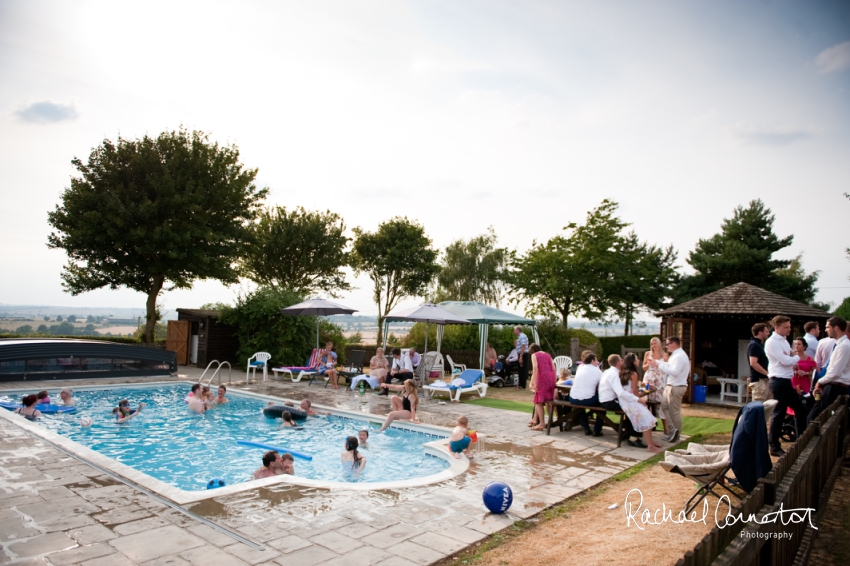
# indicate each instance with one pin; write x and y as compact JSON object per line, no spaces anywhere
{"x":802,"y":380}
{"x":543,"y":377}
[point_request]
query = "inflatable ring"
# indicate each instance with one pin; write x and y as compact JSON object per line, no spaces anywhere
{"x":276,"y":412}
{"x":44,"y":409}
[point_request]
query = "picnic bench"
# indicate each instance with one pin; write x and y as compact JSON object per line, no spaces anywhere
{"x":568,"y":414}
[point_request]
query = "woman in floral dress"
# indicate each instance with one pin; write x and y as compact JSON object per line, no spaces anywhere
{"x":656,"y":379}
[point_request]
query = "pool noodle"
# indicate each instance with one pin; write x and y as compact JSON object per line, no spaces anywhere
{"x":278,"y":448}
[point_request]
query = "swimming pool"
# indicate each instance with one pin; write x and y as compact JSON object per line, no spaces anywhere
{"x":185,"y":450}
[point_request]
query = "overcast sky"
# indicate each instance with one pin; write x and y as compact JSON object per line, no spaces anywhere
{"x":462,"y":115}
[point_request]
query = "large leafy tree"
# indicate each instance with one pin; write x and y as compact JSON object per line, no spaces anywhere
{"x":645,"y":279}
{"x":155,"y":213}
{"x":743,"y":252}
{"x":473,"y":270}
{"x":399,"y":260}
{"x":570,"y":275}
{"x":298,"y":250}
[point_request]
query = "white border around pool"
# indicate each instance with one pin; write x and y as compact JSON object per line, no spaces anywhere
{"x":437,"y":448}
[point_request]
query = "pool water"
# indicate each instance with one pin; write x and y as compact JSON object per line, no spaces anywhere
{"x":185,"y":450}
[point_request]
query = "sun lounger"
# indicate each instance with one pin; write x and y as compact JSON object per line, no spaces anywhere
{"x":302,"y":371}
{"x":467,"y":381}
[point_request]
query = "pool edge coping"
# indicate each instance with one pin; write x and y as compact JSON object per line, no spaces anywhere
{"x":435,"y":448}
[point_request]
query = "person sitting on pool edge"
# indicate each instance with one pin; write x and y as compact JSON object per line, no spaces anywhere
{"x":220,"y":398}
{"x":123,"y":413}
{"x":197,"y":403}
{"x":67,"y":397}
{"x":404,"y":405}
{"x":352,"y":460}
{"x":29,"y":410}
{"x":267,"y":470}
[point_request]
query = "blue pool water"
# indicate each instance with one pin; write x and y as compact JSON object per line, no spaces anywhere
{"x":185,"y":450}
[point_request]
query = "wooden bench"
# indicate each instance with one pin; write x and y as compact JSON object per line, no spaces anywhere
{"x":567,"y":419}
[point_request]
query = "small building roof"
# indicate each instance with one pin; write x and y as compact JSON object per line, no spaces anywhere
{"x":744,"y":299}
{"x":202,"y":313}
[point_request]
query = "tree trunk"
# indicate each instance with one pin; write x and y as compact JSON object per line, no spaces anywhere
{"x":151,"y":320}
{"x":628,"y":320}
{"x":380,"y":340}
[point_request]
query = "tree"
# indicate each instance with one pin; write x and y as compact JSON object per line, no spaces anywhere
{"x":843,"y":309}
{"x":570,"y":275}
{"x":42,"y":329}
{"x":299,"y":250}
{"x":46,"y":319}
{"x":473,"y":270}
{"x":59,"y":318}
{"x":72,"y":318}
{"x":644,"y":280}
{"x":89,"y":329}
{"x":89,"y":318}
{"x":155,"y":214}
{"x":25,"y":329}
{"x":399,"y":260}
{"x":743,"y":252}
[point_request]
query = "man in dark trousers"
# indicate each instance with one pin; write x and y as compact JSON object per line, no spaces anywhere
{"x":524,"y":356}
{"x":780,"y":369}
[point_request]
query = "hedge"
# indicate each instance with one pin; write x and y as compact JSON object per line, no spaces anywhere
{"x":611,"y":344}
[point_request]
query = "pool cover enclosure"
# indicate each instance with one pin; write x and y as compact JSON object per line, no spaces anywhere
{"x":78,"y":359}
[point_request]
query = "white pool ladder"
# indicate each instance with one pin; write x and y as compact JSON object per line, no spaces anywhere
{"x":217,"y":369}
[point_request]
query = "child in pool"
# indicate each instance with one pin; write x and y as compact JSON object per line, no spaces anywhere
{"x":363,"y":437}
{"x":123,"y":413}
{"x":288,"y":421}
{"x":564,"y":375}
{"x":352,"y":460}
{"x":43,"y":398}
{"x":459,"y":441}
{"x":286,"y":464}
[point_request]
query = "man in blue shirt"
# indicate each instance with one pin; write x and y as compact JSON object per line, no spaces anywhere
{"x":524,"y":357}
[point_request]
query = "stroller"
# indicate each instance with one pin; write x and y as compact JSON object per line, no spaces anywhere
{"x":789,"y":425}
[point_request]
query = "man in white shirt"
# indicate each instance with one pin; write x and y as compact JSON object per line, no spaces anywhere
{"x":823,"y":352}
{"x":402,"y":369}
{"x":812,"y":333}
{"x":583,"y":392}
{"x":836,"y":381}
{"x":415,"y":358}
{"x":780,"y":370}
{"x":678,"y":369}
{"x":610,"y":389}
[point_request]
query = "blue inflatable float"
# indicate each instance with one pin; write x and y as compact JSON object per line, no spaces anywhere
{"x":215,"y":483}
{"x":44,"y":409}
{"x":278,"y":448}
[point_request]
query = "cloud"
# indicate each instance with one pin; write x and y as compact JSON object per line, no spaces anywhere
{"x":47,"y":112}
{"x":769,"y":136}
{"x":835,"y":58}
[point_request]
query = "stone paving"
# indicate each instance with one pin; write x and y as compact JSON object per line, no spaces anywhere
{"x":56,"y":510}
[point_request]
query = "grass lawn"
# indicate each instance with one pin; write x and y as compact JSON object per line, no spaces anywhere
{"x":690,"y":425}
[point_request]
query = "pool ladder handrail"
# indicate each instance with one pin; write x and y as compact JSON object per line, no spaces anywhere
{"x":217,"y":369}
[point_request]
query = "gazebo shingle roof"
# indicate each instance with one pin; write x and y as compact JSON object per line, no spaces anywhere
{"x":744,"y":299}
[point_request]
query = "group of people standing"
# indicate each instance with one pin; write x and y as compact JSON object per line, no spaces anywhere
{"x":787,"y":371}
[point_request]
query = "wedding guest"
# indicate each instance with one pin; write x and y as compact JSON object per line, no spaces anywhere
{"x":415,"y":358}
{"x":802,"y":380}
{"x":402,"y":369}
{"x":758,"y":362}
{"x":584,"y":390}
{"x":542,"y":383}
{"x":812,"y":333}
{"x":522,"y":352}
{"x":656,"y":379}
{"x":678,"y":368}
{"x":780,"y":370}
{"x":490,"y":358}
{"x":836,"y":381}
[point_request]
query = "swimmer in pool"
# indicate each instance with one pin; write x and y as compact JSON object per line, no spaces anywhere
{"x":43,"y":398}
{"x":267,"y":470}
{"x":288,"y":421}
{"x":196,"y":401}
{"x":363,"y":437}
{"x":67,"y":397}
{"x":352,"y":460}
{"x":285,"y":464}
{"x":29,"y":410}
{"x":220,"y":398}
{"x":123,"y":413}
{"x":306,"y":406}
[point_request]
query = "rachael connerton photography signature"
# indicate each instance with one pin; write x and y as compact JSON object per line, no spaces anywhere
{"x":642,"y":517}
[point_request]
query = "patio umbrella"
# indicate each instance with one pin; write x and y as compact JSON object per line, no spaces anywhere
{"x":316,"y":307}
{"x":427,"y":313}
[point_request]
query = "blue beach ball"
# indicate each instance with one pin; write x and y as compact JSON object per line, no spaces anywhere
{"x":498,"y":497}
{"x":215,"y":482}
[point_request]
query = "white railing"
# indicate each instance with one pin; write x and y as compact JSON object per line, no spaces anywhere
{"x":217,"y":369}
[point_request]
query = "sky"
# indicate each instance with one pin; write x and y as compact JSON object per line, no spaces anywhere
{"x":461,"y":115}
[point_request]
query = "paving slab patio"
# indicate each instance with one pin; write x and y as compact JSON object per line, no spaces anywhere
{"x":57,"y":507}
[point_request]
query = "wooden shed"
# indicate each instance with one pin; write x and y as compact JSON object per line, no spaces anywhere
{"x":715,"y":329}
{"x":198,"y":337}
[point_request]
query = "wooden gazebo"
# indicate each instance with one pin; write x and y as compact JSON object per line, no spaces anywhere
{"x":715,"y":328}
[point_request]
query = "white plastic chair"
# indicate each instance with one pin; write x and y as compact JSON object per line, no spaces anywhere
{"x":454,"y":366}
{"x":563,"y":362}
{"x":260,"y":359}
